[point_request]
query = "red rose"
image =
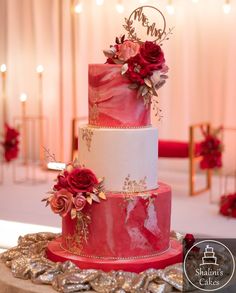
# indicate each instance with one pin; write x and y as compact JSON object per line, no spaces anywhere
{"x":189,"y":241}
{"x":152,"y":53}
{"x":61,"y":202}
{"x":138,"y":69}
{"x":228,"y":205}
{"x":79,"y":202}
{"x":11,"y":153}
{"x":211,"y":151}
{"x":10,"y":143}
{"x":10,"y":133}
{"x":62,"y":182}
{"x":82,"y":180}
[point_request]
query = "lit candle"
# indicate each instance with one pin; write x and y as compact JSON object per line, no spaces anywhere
{"x":3,"y":69}
{"x":23,"y":99}
{"x":170,"y":7}
{"x":40,"y":70}
{"x":78,"y":7}
{"x":227,"y":7}
{"x":99,"y":2}
{"x":119,"y":6}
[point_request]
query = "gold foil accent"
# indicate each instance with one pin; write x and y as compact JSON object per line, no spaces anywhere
{"x":87,"y":134}
{"x":75,"y":242}
{"x":27,"y":261}
{"x":134,"y":186}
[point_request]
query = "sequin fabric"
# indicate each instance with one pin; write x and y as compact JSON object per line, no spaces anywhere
{"x":28,"y":261}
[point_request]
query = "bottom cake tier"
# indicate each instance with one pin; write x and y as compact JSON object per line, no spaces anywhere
{"x":129,"y":231}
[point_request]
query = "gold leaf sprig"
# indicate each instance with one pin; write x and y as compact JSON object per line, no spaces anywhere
{"x":133,"y":185}
{"x":166,"y":36}
{"x":132,"y":35}
{"x":83,"y":221}
{"x":97,"y":194}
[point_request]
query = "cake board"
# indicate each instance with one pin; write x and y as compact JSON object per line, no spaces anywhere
{"x":174,"y":254}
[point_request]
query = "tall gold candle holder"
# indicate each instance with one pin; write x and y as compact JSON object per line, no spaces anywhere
{"x":3,"y":70}
{"x":30,"y":171}
{"x":40,"y":70}
{"x":23,"y":98}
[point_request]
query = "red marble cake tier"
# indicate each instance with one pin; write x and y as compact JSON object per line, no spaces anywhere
{"x":111,"y":102}
{"x":123,"y":232}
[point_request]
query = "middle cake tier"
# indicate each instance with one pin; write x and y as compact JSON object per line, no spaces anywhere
{"x":126,"y":158}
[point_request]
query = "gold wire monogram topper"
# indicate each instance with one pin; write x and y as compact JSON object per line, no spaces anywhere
{"x":140,"y":17}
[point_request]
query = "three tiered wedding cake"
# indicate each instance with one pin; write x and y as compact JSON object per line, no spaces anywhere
{"x":122,"y":220}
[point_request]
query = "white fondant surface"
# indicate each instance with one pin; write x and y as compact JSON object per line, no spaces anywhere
{"x":116,"y":153}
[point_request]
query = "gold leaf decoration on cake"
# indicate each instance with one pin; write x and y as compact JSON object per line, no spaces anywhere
{"x":75,"y":242}
{"x":87,"y":135}
{"x":94,"y":113}
{"x":147,"y":196}
{"x":134,"y":186}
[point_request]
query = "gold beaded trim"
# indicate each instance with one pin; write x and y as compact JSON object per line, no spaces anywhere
{"x":138,"y":193}
{"x":116,"y":258}
{"x":119,"y":127}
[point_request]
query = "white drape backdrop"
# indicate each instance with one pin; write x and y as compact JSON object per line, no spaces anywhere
{"x":200,"y":54}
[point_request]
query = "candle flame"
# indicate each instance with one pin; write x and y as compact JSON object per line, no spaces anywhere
{"x":78,"y":8}
{"x":23,"y":97}
{"x":120,"y":7}
{"x":99,"y":2}
{"x":40,"y":69}
{"x":227,"y":8}
{"x":3,"y":68}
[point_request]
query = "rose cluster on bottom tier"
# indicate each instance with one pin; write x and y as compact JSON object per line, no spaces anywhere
{"x":75,"y":187}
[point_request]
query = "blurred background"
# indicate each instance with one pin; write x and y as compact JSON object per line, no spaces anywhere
{"x":65,"y":36}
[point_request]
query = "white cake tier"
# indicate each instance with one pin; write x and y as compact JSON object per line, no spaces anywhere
{"x":126,"y":158}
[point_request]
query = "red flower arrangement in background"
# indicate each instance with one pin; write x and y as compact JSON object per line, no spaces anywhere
{"x":228,"y":205}
{"x":74,"y":188}
{"x":10,"y":143}
{"x":211,"y":151}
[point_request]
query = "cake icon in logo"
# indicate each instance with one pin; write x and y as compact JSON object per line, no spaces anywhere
{"x":209,"y":257}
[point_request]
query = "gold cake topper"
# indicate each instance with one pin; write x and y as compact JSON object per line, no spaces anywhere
{"x":141,"y":16}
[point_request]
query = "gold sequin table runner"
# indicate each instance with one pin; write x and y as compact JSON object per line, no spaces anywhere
{"x":25,"y":269}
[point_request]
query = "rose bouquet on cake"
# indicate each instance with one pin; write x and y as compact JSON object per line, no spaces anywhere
{"x":75,"y":187}
{"x":142,"y":63}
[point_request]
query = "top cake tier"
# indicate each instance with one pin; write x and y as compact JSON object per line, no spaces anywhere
{"x":111,"y":102}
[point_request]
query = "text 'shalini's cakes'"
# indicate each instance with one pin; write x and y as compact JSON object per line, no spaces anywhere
{"x":115,"y":214}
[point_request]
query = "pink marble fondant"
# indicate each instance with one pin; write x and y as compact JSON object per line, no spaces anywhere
{"x":123,"y":226}
{"x":111,"y":102}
